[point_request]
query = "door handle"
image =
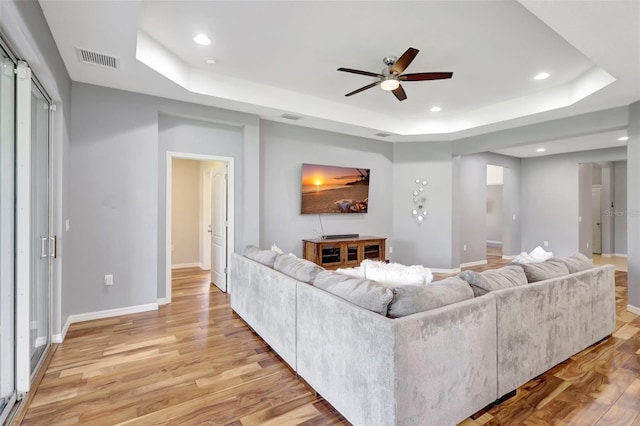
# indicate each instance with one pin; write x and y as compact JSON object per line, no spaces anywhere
{"x":53,"y":247}
{"x":43,"y":247}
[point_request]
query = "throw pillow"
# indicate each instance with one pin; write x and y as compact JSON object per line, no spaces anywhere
{"x":543,"y":271}
{"x":576,"y":262}
{"x":410,"y":299}
{"x":494,"y":279}
{"x":361,"y":292}
{"x":393,"y":274}
{"x":299,"y":269}
{"x":539,"y":253}
{"x":277,"y":249}
{"x":266,"y":257}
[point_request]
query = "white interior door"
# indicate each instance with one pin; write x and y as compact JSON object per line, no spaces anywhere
{"x":596,"y":221}
{"x":219,"y":226}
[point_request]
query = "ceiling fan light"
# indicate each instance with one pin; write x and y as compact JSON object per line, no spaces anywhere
{"x":390,"y":84}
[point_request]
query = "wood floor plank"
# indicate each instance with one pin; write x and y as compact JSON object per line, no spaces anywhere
{"x":195,"y":362}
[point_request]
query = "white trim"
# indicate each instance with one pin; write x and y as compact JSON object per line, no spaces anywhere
{"x":40,"y":341}
{"x":23,"y":227}
{"x":606,"y":255}
{"x":230,"y":210}
{"x":470,"y":264}
{"x":492,"y":243}
{"x":108,"y":313}
{"x":633,"y":309}
{"x":509,"y":256}
{"x":620,"y":254}
{"x":58,"y":338}
{"x":186,"y":265}
{"x":445,"y":271}
{"x":163,"y":301}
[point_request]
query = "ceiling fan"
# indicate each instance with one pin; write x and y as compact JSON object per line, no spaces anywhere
{"x":391,"y":76}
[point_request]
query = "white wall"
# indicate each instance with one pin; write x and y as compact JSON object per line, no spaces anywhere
{"x":494,"y":214}
{"x":284,"y":149}
{"x":633,"y":200}
{"x":185,"y":212}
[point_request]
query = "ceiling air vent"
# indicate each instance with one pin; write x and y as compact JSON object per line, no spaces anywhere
{"x":383,"y":135}
{"x":99,"y":59}
{"x":291,"y":117}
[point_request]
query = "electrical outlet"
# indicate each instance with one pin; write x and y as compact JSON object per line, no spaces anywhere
{"x":579,"y":219}
{"x":546,"y":244}
{"x":66,"y":225}
{"x":390,"y":249}
{"x":587,"y":245}
{"x":464,"y":247}
{"x":514,"y":217}
{"x":108,"y":279}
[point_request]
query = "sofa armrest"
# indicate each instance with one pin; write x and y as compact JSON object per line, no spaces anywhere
{"x":266,"y":300}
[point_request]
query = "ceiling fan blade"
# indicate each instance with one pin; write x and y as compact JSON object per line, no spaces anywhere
{"x":421,"y":76}
{"x":368,"y":86}
{"x":403,"y":61}
{"x":399,"y":92}
{"x":367,"y":73}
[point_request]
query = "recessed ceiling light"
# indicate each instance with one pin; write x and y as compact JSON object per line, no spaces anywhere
{"x":623,"y":138}
{"x":542,"y":76}
{"x":202,"y":40}
{"x":210,"y":61}
{"x":541,"y":149}
{"x":435,"y":109}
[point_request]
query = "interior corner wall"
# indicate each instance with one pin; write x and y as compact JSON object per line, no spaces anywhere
{"x":585,"y":216}
{"x":494,"y":214}
{"x":429,"y":243}
{"x":284,"y":149}
{"x":619,"y":210}
{"x":185,"y":212}
{"x":549,"y":201}
{"x":633,"y":212}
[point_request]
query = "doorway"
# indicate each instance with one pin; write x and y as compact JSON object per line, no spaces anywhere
{"x":211,"y":224}
{"x":495,"y":185}
{"x":596,"y":219}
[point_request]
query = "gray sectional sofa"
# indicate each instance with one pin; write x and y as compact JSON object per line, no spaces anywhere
{"x":435,"y":367}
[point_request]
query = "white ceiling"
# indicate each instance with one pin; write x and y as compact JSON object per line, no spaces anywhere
{"x":275,"y":57}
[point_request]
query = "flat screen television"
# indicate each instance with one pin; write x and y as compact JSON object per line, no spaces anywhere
{"x":334,"y":189}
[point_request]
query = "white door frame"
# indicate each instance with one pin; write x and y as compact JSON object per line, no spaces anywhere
{"x":231,"y":196}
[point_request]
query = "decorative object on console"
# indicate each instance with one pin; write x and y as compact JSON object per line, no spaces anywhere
{"x":334,"y":189}
{"x":419,"y":211}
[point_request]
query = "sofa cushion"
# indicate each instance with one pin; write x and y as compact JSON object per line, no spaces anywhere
{"x":296,"y":268}
{"x":494,"y":279}
{"x":545,"y":270}
{"x":576,"y":262}
{"x":362,"y":292}
{"x":266,"y":257}
{"x":396,"y":274}
{"x":411,"y":299}
{"x":357,"y":272}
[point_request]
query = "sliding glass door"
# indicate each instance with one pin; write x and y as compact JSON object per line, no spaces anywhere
{"x":7,"y":235}
{"x":42,"y":246}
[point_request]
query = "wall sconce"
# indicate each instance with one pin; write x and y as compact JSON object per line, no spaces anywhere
{"x":419,"y":211}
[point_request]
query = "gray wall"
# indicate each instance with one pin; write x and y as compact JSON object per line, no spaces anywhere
{"x":189,"y":136}
{"x":607,"y":221}
{"x":619,"y":210}
{"x":429,"y":243}
{"x":633,"y":217}
{"x":284,"y":149}
{"x":26,"y":30}
{"x":494,"y":214}
{"x":117,"y":172}
{"x":549,"y":202}
{"x":585,"y":219}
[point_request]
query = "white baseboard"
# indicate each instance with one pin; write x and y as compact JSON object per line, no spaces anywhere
{"x":494,"y":243}
{"x":40,"y":341}
{"x":606,"y":255}
{"x":445,"y":271}
{"x":509,"y":256}
{"x":476,"y":263}
{"x":185,"y":265}
{"x":633,"y":309}
{"x":163,"y":301}
{"x":620,"y":254}
{"x":108,"y":313}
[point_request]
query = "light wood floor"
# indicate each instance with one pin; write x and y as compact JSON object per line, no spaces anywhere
{"x":194,"y":362}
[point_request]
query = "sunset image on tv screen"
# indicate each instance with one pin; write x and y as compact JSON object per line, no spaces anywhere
{"x":333,"y":189}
